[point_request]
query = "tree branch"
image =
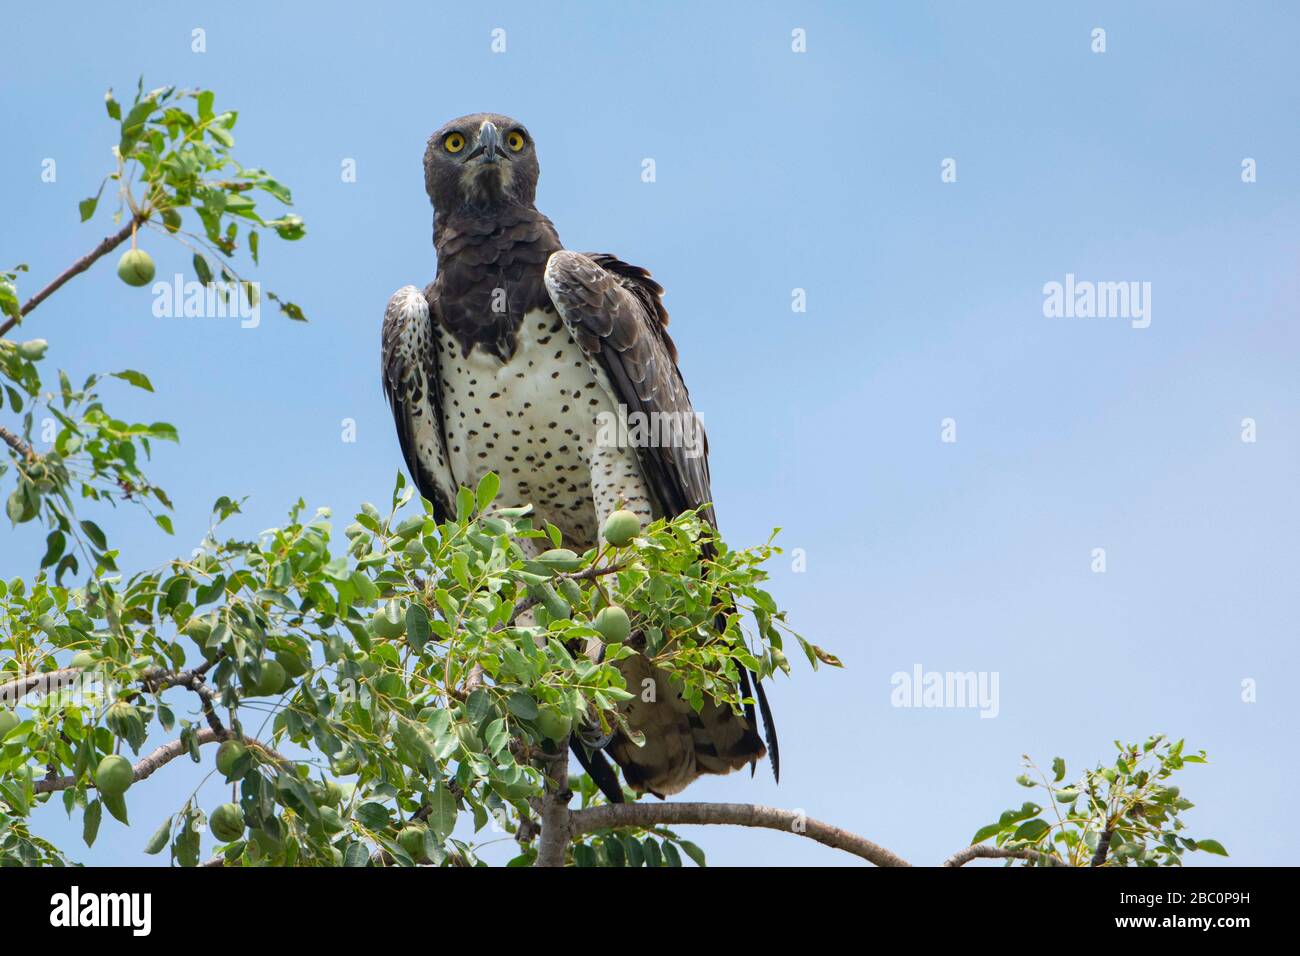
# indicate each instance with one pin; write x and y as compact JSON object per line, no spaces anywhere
{"x":736,"y":814}
{"x":165,"y":754}
{"x":20,"y":447}
{"x":153,"y":680}
{"x":44,"y":683}
{"x":557,"y":821}
{"x":982,"y":851}
{"x":81,"y":265}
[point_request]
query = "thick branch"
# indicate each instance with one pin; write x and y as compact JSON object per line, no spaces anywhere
{"x":81,"y":265}
{"x":557,"y":821}
{"x":165,"y":754}
{"x":736,"y":814}
{"x":982,"y":851}
{"x":1103,"y":847}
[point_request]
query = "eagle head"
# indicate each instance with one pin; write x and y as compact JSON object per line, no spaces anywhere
{"x":483,"y":159}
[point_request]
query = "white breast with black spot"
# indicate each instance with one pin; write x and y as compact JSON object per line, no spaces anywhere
{"x":536,"y":420}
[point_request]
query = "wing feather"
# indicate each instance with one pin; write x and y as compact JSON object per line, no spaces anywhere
{"x":409,"y":363}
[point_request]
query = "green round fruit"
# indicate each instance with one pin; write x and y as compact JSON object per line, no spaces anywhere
{"x":411,"y":839}
{"x":293,"y":665}
{"x":272,"y":680}
{"x":621,"y":527}
{"x":553,"y":724}
{"x":560,"y":559}
{"x":33,"y":350}
{"x":388,"y":621}
{"x":227,"y":822}
{"x":333,"y":794}
{"x":8,"y":721}
{"x":613,"y":624}
{"x":227,"y":754}
{"x":83,"y":659}
{"x":114,"y":775}
{"x":135,"y":267}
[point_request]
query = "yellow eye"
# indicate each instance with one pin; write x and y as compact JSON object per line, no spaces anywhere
{"x":454,"y":143}
{"x":515,"y":140}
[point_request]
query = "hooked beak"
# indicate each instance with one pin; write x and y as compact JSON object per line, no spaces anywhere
{"x":489,"y":145}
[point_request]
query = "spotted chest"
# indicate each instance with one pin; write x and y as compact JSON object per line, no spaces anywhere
{"x":536,"y":420}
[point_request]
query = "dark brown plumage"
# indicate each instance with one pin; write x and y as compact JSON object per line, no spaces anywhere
{"x":507,"y":361}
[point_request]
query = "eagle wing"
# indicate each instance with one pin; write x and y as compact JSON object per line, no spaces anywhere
{"x":409,"y":363}
{"x":615,"y":312}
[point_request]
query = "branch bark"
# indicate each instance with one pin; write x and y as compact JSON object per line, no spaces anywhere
{"x":20,"y":447}
{"x":81,"y":265}
{"x":148,"y":764}
{"x":735,"y":814}
{"x":43,"y":683}
{"x":557,"y":820}
{"x":982,"y":851}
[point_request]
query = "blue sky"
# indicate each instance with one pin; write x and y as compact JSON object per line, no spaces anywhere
{"x":779,"y":171}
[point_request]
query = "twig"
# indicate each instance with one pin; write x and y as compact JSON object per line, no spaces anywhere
{"x":81,"y":265}
{"x":735,"y":814}
{"x":982,"y":851}
{"x":20,"y":447}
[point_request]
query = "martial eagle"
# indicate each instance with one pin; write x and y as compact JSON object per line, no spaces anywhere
{"x":511,"y":361}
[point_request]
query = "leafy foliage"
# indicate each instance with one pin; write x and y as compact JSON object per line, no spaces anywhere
{"x":173,"y":155}
{"x":419,"y":676}
{"x":1127,"y":808}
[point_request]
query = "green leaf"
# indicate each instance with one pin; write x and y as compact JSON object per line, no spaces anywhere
{"x":488,"y":487}
{"x":1211,"y":846}
{"x":357,"y":855}
{"x":417,"y":626}
{"x":443,"y":811}
{"x":138,"y":379}
{"x":159,"y":839}
{"x":1032,"y":830}
{"x":522,"y":705}
{"x":693,"y":851}
{"x":1058,"y":769}
{"x":95,"y":535}
{"x":117,"y":806}
{"x":90,"y":822}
